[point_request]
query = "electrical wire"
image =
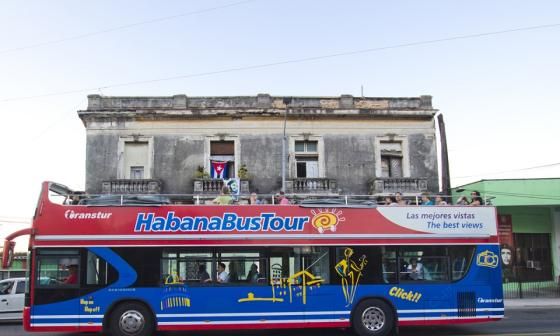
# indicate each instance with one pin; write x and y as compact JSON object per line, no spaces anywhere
{"x":286,"y":62}
{"x":127,"y":26}
{"x":511,"y":171}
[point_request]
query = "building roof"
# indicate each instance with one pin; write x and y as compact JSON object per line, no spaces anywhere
{"x":516,"y":192}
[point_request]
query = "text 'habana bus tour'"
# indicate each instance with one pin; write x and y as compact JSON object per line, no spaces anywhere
{"x":148,"y":222}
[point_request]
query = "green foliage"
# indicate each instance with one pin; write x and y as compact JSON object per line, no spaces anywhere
{"x":243,"y":172}
{"x":201,"y":173}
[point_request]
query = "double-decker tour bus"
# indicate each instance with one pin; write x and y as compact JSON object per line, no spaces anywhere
{"x":134,"y":265}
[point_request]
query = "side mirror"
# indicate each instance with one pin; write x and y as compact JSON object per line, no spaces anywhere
{"x":8,"y":255}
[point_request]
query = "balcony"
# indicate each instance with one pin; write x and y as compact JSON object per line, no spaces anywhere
{"x":213,"y":186}
{"x":127,"y":186}
{"x":383,"y":185}
{"x":311,"y":186}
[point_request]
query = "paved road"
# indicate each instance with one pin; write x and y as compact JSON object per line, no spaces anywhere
{"x":518,"y":322}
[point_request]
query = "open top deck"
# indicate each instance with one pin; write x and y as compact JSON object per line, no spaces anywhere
{"x":151,"y":221}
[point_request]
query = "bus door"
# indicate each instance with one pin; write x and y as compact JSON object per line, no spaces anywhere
{"x":313,"y":282}
{"x":57,"y":288}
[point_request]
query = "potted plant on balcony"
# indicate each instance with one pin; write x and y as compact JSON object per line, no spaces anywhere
{"x":200,"y":173}
{"x":243,"y":172}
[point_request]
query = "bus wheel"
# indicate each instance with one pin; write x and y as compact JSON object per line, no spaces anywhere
{"x":373,"y":317}
{"x":131,"y":319}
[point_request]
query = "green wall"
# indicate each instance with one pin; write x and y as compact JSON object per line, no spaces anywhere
{"x":529,"y":219}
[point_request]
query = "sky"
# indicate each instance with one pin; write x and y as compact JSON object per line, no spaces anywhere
{"x":497,"y":92}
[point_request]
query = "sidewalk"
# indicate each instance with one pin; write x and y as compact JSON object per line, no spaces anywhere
{"x":531,"y":303}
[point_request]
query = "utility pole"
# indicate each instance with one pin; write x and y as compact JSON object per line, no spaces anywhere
{"x":445,"y":177}
{"x":287,"y":102}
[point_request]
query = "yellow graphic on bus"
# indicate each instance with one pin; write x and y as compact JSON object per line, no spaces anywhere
{"x":350,"y":273}
{"x":325,"y":219}
{"x":487,"y":259}
{"x":296,"y":285}
{"x":175,"y":294}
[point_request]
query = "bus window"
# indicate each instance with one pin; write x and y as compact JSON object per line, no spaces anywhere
{"x":292,"y":265}
{"x":424,"y":263}
{"x":58,"y":268}
{"x":371,"y":264}
{"x":185,"y":266}
{"x":245,"y":267}
{"x":461,"y":257}
{"x":315,"y":260}
{"x":98,"y":271}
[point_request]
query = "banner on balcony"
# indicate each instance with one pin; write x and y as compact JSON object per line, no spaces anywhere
{"x":234,"y":186}
{"x":218,"y":169}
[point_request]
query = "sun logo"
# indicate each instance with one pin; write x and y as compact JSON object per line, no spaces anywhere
{"x":325,"y":219}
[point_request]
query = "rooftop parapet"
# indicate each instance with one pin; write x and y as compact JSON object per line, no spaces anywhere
{"x":182,"y":105}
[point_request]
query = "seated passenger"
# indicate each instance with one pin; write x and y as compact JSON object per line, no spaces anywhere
{"x":415,"y":269}
{"x":233,"y":274}
{"x":202,"y":275}
{"x":253,"y":275}
{"x":72,"y":279}
{"x":223,"y":276}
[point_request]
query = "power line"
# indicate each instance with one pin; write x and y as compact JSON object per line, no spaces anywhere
{"x":293,"y":61}
{"x":513,"y":170}
{"x":105,"y":31}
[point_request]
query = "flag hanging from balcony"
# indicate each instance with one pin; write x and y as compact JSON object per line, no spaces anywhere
{"x":218,"y":169}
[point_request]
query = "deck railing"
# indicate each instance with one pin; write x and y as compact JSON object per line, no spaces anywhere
{"x":382,"y":185}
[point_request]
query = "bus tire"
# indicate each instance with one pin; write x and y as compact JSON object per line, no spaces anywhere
{"x":131,"y":319}
{"x":373,"y":317}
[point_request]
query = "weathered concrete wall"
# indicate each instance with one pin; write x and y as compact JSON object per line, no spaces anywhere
{"x":176,"y":159}
{"x":263,"y":156}
{"x":101,"y":160}
{"x":351,"y":161}
{"x":423,"y":159}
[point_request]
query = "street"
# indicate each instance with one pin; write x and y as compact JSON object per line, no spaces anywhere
{"x":518,"y":322}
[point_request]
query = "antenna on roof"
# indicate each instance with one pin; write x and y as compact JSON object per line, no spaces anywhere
{"x":362,"y":90}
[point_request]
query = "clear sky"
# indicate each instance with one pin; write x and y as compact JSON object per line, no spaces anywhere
{"x":498,"y":93}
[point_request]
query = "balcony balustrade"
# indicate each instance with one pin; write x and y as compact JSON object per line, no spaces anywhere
{"x":213,"y":186}
{"x":311,"y":186}
{"x":131,"y":186}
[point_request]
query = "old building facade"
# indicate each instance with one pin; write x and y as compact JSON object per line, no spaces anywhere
{"x":334,"y":145}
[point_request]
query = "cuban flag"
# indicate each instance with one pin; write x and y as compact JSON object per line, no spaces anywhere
{"x":218,"y":169}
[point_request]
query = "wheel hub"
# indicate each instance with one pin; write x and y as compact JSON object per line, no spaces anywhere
{"x":131,"y":322}
{"x":373,"y":318}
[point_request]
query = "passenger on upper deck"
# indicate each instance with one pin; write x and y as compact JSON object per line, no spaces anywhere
{"x":282,"y":199}
{"x":224,"y":198}
{"x":462,"y":201}
{"x":440,"y":200}
{"x":426,"y":199}
{"x":399,"y":199}
{"x":476,"y":199}
{"x":253,"y":199}
{"x":390,"y":200}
